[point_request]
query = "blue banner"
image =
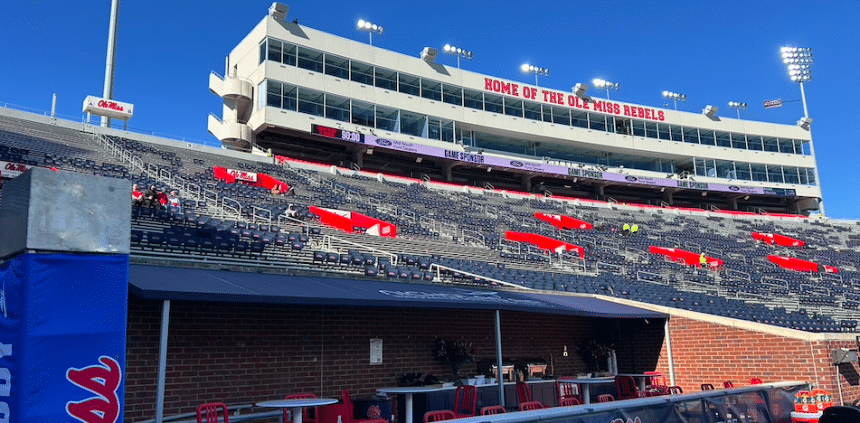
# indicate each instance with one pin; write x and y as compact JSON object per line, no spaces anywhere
{"x":62,"y":338}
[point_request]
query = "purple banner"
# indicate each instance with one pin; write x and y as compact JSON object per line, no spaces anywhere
{"x":408,"y":147}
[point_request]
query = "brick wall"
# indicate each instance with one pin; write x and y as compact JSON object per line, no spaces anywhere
{"x":705,"y":352}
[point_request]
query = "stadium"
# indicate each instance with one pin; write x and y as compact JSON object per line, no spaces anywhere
{"x":367,"y":196}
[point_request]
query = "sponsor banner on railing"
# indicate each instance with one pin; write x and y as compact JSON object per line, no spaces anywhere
{"x":372,"y":141}
{"x":243,"y":175}
{"x":11,"y":170}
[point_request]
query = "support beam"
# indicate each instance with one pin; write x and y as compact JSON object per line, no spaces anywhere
{"x":162,"y":362}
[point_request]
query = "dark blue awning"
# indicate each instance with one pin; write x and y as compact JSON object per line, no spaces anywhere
{"x":172,"y":283}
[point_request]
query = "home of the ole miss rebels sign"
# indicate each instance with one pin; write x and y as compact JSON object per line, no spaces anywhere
{"x":570,"y":100}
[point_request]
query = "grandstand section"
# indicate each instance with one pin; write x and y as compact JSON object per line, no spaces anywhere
{"x":297,"y":91}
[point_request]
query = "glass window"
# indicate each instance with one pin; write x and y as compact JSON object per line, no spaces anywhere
{"x":759,"y":173}
{"x":596,"y":121}
{"x":677,"y":133}
{"x":473,"y":99}
{"x":810,"y":176}
{"x":448,"y":130}
{"x":707,"y":138}
{"x":547,"y":115}
{"x":494,"y":103}
{"x":337,"y":108}
{"x":724,"y":139}
{"x":410,"y":84}
{"x":742,"y":171}
{"x":513,"y":107}
{"x":434,"y":128}
{"x":774,"y":173}
{"x":311,"y":102}
{"x":754,"y":143}
{"x":361,"y":73}
{"x":578,"y":119}
{"x":650,"y":129}
{"x":786,"y":146}
{"x":561,"y":115}
{"x":739,"y":141}
{"x":386,"y":79}
{"x":691,"y":135}
{"x":803,"y":175}
{"x":663,"y":131}
{"x":771,"y":144}
{"x":610,"y":124}
{"x":387,"y":119}
{"x":798,"y":147}
{"x":413,"y":124}
{"x":289,"y":54}
{"x":311,"y":60}
{"x":337,"y":67}
{"x":531,"y":110}
{"x":274,"y":96}
{"x":452,"y":94}
{"x":431,"y":89}
{"x":791,"y":175}
{"x":274,"y":50}
{"x":264,"y":50}
{"x":726,"y":169}
{"x":363,"y":114}
{"x":639,"y":128}
{"x":623,"y":126}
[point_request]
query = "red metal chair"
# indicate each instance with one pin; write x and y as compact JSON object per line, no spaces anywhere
{"x":569,"y":401}
{"x":655,"y":384}
{"x":673,"y":390}
{"x":626,"y":387}
{"x":530,"y":405}
{"x":707,"y":387}
{"x":524,"y":392}
{"x":212,"y":412}
{"x":465,"y":401}
{"x":306,"y":415}
{"x":755,"y":381}
{"x":330,"y":413}
{"x":438,"y":416}
{"x":605,"y":398}
{"x":493,"y":409}
{"x":728,"y":384}
{"x":567,"y":388}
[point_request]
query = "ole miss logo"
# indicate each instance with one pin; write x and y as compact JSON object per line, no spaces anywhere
{"x":373,"y":412}
{"x":102,"y":380}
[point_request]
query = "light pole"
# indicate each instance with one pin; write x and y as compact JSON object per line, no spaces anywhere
{"x":370,"y":28}
{"x":737,"y":106}
{"x":675,"y":97}
{"x":527,"y":68}
{"x":457,"y":51}
{"x":602,"y":83}
{"x":798,"y":62}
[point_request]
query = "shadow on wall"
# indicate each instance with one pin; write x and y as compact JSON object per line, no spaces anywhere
{"x":848,"y":371}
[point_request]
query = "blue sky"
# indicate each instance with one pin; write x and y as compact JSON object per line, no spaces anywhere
{"x":714,"y":52}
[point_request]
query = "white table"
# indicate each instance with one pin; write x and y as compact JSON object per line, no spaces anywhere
{"x":407,"y":392}
{"x":586,"y":383}
{"x":297,"y":406}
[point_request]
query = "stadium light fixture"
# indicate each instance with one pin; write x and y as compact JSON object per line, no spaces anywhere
{"x":527,"y":68}
{"x":798,"y":62}
{"x":737,"y":106}
{"x":429,"y":54}
{"x":370,"y":28}
{"x":675,"y":97}
{"x":580,"y":89}
{"x":710,"y":111}
{"x":457,"y":51}
{"x":602,"y":83}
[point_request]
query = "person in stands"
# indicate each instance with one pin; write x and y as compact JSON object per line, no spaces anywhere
{"x":703,"y":261}
{"x":162,"y":199}
{"x":173,"y":201}
{"x":625,"y":229}
{"x":150,"y":197}
{"x":633,"y":229}
{"x":136,"y":196}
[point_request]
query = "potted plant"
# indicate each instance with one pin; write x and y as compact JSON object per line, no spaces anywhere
{"x":453,"y":353}
{"x":595,"y":354}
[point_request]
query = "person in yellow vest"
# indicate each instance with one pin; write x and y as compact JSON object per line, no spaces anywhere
{"x":703,"y":261}
{"x":625,"y":229}
{"x":634,"y":229}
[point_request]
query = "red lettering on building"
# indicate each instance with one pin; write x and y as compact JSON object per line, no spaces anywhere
{"x":488,"y":84}
{"x":514,"y":89}
{"x":661,"y":116}
{"x":506,"y":87}
{"x":112,"y":105}
{"x":647,"y":113}
{"x":585,"y":103}
{"x":103,"y":381}
{"x":598,"y":106}
{"x":616,"y":109}
{"x":497,"y":86}
{"x":327,"y":132}
{"x":626,"y":110}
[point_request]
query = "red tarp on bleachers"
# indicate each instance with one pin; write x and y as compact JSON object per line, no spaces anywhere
{"x":346,"y":221}
{"x":250,"y":178}
{"x":690,"y":258}
{"x":778,"y":239}
{"x":544,"y":242}
{"x":563,"y":222}
{"x":799,"y":265}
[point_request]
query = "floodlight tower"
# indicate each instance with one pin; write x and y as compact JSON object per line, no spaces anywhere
{"x":457,"y":51}
{"x":798,"y":62}
{"x":111,"y":55}
{"x":675,"y":97}
{"x":363,"y":25}
{"x":527,"y":68}
{"x":602,"y":83}
{"x":737,"y":106}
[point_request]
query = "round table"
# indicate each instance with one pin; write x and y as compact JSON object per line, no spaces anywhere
{"x":297,"y":406}
{"x":587,"y":381}
{"x":407,"y":392}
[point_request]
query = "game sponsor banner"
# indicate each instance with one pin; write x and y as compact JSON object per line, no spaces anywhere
{"x":11,"y":170}
{"x":373,"y":141}
{"x":62,"y":338}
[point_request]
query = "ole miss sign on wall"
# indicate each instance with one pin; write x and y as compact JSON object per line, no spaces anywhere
{"x":570,"y":100}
